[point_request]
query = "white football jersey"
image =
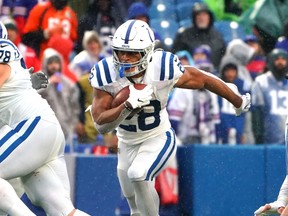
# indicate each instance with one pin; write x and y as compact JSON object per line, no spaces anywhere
{"x":162,"y":73}
{"x":18,"y":100}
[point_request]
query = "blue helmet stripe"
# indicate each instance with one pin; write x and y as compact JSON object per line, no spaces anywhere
{"x":171,"y":68}
{"x":162,"y":73}
{"x":98,"y":75}
{"x":107,"y":71}
{"x":149,"y":35}
{"x":128,"y":32}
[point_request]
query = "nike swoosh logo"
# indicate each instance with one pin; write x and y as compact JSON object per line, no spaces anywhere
{"x":2,"y":46}
{"x":247,"y":106}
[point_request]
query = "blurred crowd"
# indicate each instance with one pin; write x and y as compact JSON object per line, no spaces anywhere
{"x":55,"y":39}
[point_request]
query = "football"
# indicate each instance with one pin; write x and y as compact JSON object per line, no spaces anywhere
{"x":123,"y":94}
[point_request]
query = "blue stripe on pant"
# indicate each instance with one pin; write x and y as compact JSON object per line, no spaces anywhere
{"x":170,"y":139}
{"x":20,"y":140}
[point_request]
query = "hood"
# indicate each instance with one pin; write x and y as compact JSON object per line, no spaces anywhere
{"x":50,"y":53}
{"x":89,"y":36}
{"x":185,"y":54}
{"x":240,"y":51}
{"x":200,"y":7}
{"x":227,"y":61}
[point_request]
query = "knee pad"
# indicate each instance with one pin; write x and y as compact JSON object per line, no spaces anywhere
{"x":136,"y":173}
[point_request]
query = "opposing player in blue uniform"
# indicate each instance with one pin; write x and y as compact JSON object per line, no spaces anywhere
{"x":146,"y":140}
{"x":31,"y":142}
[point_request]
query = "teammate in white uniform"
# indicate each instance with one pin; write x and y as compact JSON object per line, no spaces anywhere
{"x":31,"y":142}
{"x":146,"y":141}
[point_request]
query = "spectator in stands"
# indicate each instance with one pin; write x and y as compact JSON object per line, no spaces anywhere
{"x":202,"y":56}
{"x":65,"y":47}
{"x":269,"y":95}
{"x":21,"y":10}
{"x":201,"y":32}
{"x":111,"y":142}
{"x":282,"y":41}
{"x":48,"y":20}
{"x":194,"y":113}
{"x":202,"y":52}
{"x":123,"y":6}
{"x":30,"y":57}
{"x":139,"y":11}
{"x":5,"y":8}
{"x":185,"y":57}
{"x":257,"y":64}
{"x":230,"y":130}
{"x":61,"y":94}
{"x":81,"y":65}
{"x":239,"y":53}
{"x":85,"y":60}
{"x":99,"y":17}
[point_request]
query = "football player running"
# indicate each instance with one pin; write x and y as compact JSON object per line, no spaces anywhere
{"x":146,"y":140}
{"x":31,"y":141}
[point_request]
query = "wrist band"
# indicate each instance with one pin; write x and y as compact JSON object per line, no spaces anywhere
{"x":127,"y":107}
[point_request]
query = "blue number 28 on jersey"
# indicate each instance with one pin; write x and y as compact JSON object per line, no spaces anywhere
{"x":142,"y":115}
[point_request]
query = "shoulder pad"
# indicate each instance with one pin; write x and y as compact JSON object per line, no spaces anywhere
{"x":165,"y":65}
{"x":103,"y":73}
{"x":9,"y":51}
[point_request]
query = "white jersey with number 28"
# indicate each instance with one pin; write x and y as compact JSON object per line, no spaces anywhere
{"x":162,"y":73}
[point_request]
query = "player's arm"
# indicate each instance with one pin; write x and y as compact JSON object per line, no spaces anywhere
{"x":5,"y":72}
{"x":106,"y":118}
{"x":197,"y":79}
{"x":278,"y":205}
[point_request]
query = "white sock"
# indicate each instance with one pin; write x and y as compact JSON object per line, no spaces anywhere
{"x":132,"y":205}
{"x":147,"y":199}
{"x":128,"y":191}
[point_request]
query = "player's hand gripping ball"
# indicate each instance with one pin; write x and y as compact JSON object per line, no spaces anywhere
{"x":123,"y":96}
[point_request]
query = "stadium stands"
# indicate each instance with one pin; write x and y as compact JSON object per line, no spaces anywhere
{"x":230,"y":30}
{"x":184,"y":11}
{"x":185,"y":23}
{"x":167,"y":28}
{"x":189,"y":1}
{"x":162,"y":10}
